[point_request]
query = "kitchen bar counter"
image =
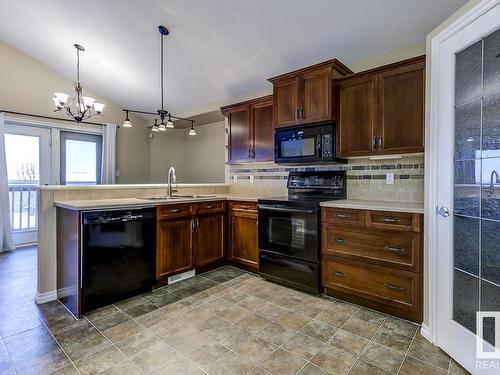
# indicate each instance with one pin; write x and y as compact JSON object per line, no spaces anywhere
{"x":411,"y":207}
{"x":99,"y":204}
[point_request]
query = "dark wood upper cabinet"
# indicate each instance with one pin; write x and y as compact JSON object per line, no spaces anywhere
{"x":357,"y":116}
{"x":251,"y":134}
{"x":285,"y":95}
{"x":209,"y":242}
{"x":174,"y":247}
{"x":263,"y":135}
{"x":402,"y":95}
{"x":305,"y":96}
{"x":381,"y":111}
{"x":240,"y":131}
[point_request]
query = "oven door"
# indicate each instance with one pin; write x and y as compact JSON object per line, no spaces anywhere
{"x":298,"y":146}
{"x":289,"y":231}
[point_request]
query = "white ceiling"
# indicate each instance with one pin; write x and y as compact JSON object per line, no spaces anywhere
{"x":218,"y":50}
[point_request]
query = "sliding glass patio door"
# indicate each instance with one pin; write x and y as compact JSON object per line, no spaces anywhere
{"x":28,"y":166}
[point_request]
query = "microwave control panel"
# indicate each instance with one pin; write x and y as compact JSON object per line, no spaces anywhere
{"x":327,"y":153}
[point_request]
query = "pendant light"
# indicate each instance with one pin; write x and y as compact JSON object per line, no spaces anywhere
{"x":162,"y":113}
{"x":79,"y":108}
{"x":192,"y":131}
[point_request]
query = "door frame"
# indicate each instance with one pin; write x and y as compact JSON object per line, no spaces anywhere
{"x":440,"y":111}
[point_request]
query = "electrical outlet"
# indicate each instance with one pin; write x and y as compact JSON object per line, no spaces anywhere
{"x":251,"y":179}
{"x":235,"y":178}
{"x":389,"y":178}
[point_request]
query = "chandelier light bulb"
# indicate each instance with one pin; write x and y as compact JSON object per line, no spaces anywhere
{"x":170,"y":124}
{"x":162,"y":127}
{"x":88,"y":101}
{"x":57,"y":103}
{"x":99,"y":107}
{"x":61,"y":97}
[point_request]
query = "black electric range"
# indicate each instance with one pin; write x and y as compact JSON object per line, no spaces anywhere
{"x":289,"y":228}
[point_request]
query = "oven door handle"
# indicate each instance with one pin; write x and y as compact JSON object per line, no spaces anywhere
{"x":284,"y":209}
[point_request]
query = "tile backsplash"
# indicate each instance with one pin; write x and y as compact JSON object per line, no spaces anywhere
{"x":366,"y":179}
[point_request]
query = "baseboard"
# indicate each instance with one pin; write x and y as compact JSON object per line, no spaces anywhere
{"x":425,"y":332}
{"x":45,"y":297}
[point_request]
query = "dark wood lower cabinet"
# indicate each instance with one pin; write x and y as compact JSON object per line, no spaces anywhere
{"x":174,"y":247}
{"x":243,"y":247}
{"x":210,"y":239}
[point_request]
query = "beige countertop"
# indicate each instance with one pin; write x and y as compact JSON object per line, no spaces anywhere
{"x":96,"y":204}
{"x":412,"y":207}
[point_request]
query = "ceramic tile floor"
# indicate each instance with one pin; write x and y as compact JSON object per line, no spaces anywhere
{"x":222,"y":322}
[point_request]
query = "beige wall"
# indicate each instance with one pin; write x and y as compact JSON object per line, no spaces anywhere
{"x":26,"y":85}
{"x":198,"y":159}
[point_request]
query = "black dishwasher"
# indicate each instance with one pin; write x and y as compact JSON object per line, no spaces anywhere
{"x":118,"y":255}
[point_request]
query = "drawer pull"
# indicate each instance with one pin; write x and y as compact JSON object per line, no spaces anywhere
{"x":395,"y":250}
{"x":244,"y":207}
{"x":175,"y":210}
{"x":394,"y":287}
{"x":340,"y":240}
{"x":343,"y":216}
{"x":391,"y":220}
{"x":336,"y":273}
{"x":209,"y":207}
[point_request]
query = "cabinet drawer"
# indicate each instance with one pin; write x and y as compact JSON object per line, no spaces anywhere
{"x":246,"y":208}
{"x":343,"y":216}
{"x":209,"y":207}
{"x":401,"y":250}
{"x":393,"y":220}
{"x":385,"y":285}
{"x":175,"y":210}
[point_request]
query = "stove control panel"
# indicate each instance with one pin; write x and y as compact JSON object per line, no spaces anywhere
{"x":327,"y":180}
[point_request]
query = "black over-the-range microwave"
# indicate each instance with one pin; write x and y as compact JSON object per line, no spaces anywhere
{"x":306,"y":144}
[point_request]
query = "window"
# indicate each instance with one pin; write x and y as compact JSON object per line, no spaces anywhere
{"x":80,"y":158}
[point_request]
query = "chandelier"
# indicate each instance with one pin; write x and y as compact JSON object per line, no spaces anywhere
{"x":163,"y":118}
{"x":80,"y":107}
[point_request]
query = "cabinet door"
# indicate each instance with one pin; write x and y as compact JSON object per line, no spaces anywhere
{"x":316,"y":96}
{"x":209,"y":246}
{"x":263,"y":140}
{"x":357,"y":117}
{"x":401,"y":99}
{"x":244,"y":245}
{"x":239,"y":135}
{"x":285,"y":95}
{"x":174,"y":247}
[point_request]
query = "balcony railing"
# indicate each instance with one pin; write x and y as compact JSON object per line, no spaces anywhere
{"x":23,"y":199}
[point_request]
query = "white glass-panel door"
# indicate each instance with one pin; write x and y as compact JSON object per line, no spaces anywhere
{"x":28,"y":166}
{"x":468,"y":195}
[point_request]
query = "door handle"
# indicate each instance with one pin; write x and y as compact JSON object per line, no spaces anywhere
{"x":443,"y":211}
{"x":396,"y":250}
{"x":342,"y":216}
{"x":394,"y":287}
{"x":391,"y":220}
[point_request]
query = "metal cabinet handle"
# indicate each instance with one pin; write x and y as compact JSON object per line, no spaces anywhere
{"x":380,"y":142}
{"x":249,"y":153}
{"x":337,"y":273}
{"x":244,"y":207}
{"x":209,"y":207}
{"x":297,"y":114}
{"x":374,"y":143}
{"x":301,"y":113}
{"x":193,"y":225}
{"x":342,"y":216}
{"x":396,"y":250}
{"x":340,"y":240}
{"x":174,"y":210}
{"x":391,"y":220}
{"x":394,"y":287}
{"x":253,"y":153}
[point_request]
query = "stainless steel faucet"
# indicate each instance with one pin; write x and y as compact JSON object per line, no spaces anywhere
{"x":492,"y":183}
{"x":171,"y":177}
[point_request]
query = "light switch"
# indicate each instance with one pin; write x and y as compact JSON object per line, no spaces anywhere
{"x":389,"y":178}
{"x":235,"y":178}
{"x":251,"y":179}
